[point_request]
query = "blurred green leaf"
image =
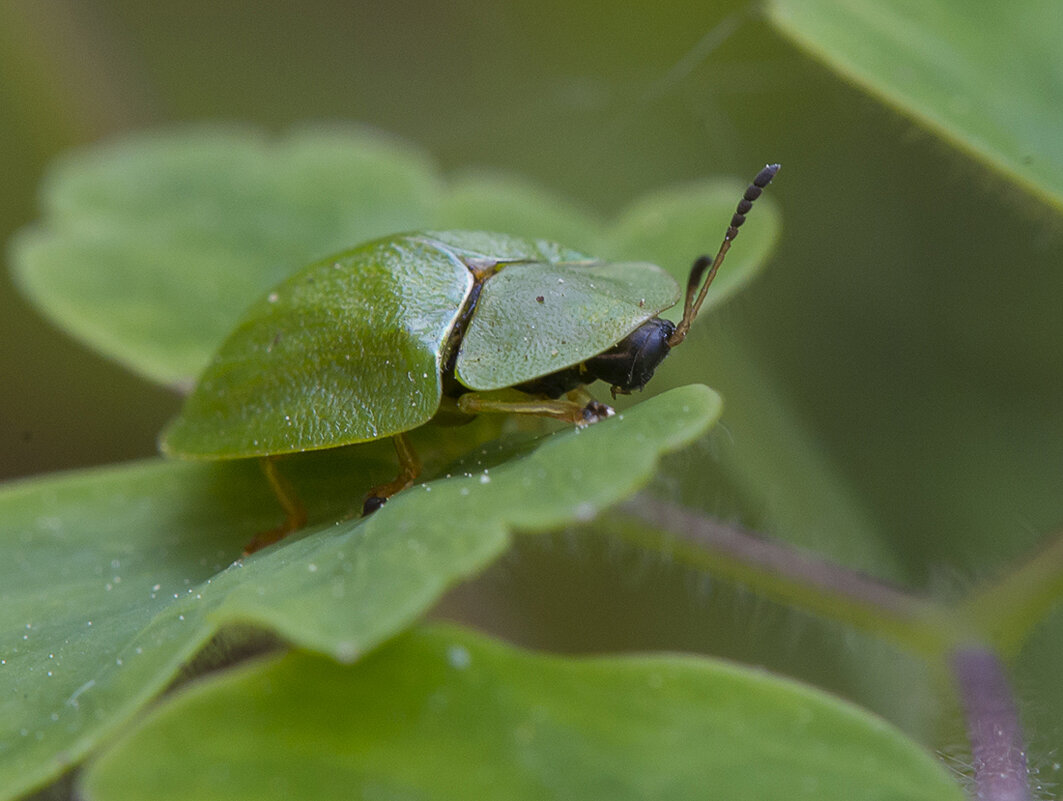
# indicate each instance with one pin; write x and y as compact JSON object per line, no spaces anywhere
{"x":984,"y":76}
{"x":151,"y":248}
{"x":118,"y":576}
{"x":445,"y":714}
{"x":486,"y":201}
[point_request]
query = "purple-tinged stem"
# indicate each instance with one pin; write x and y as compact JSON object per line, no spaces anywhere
{"x":992,"y":726}
{"x":804,"y":580}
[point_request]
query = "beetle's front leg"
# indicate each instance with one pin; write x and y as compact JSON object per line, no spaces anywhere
{"x":576,"y":407}
{"x":409,"y":469}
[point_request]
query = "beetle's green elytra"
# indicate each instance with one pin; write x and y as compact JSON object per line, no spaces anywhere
{"x":373,"y":341}
{"x":352,"y":348}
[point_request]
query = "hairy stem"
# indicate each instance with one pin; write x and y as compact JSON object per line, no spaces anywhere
{"x":992,"y":725}
{"x":793,"y":577}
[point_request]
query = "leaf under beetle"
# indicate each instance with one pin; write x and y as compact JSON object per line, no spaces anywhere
{"x":143,"y":555}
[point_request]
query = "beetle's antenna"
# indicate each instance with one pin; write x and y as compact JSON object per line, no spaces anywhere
{"x":703,"y":263}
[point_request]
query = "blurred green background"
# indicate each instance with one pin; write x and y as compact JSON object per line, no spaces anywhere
{"x":907,"y":332}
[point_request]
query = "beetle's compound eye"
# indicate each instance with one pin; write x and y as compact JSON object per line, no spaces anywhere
{"x":631,"y":362}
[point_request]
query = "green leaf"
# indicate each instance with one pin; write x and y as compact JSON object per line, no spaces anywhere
{"x":118,"y":576}
{"x":493,"y":202}
{"x":151,"y":249}
{"x":445,"y":714}
{"x":983,"y":76}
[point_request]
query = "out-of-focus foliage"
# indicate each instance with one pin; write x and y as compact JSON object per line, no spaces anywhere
{"x":891,"y":381}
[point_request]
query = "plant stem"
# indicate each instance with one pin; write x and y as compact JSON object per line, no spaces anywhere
{"x":992,"y":725}
{"x":791,"y":576}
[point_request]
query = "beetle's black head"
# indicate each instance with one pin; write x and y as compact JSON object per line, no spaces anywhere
{"x":630,"y":363}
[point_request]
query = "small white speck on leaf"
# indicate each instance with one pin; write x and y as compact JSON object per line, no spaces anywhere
{"x":459,"y":657}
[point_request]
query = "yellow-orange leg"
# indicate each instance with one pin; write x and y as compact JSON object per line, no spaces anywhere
{"x":409,"y":469}
{"x":576,"y":407}
{"x":294,"y":513}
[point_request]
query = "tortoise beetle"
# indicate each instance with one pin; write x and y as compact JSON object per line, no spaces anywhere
{"x":377,"y":340}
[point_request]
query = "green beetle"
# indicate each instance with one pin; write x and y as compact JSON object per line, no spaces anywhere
{"x":377,"y":340}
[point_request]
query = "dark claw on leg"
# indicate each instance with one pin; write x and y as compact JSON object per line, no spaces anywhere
{"x":371,"y":504}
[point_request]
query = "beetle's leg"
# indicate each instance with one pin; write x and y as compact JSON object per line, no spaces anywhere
{"x":590,"y":404}
{"x":294,"y":513}
{"x":577,"y":407}
{"x":409,"y":469}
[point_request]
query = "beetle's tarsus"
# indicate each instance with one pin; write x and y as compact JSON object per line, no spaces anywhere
{"x":409,"y":469}
{"x":595,"y":412}
{"x":371,"y":504}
